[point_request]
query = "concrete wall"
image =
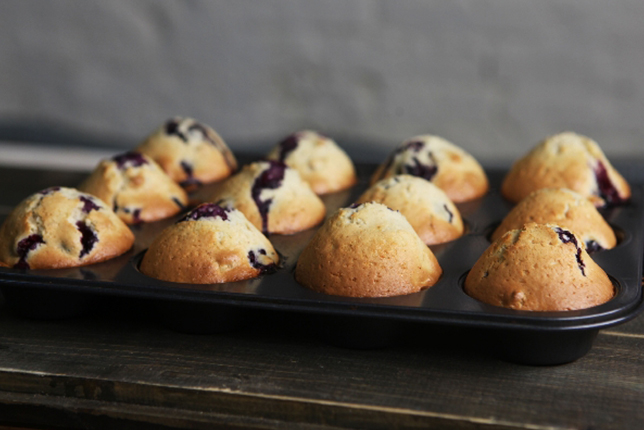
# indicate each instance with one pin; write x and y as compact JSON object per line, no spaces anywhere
{"x":494,"y":76}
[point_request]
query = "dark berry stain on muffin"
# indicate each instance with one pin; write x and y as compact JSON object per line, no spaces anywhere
{"x":136,"y":216}
{"x":129,"y":159}
{"x":207,"y":135}
{"x":417,"y":168}
{"x":187,"y":168}
{"x":567,"y":237}
{"x":172,"y":129}
{"x":606,"y":189}
{"x":451,"y":215}
{"x":49,"y":190}
{"x":203,"y":131}
{"x":395,"y":180}
{"x":207,"y":210}
{"x":263,"y":268}
{"x":178,"y":203}
{"x":426,"y":171}
{"x":200,"y":129}
{"x":136,"y":213}
{"x":191,"y":180}
{"x":88,"y":238}
{"x":88,"y":205}
{"x":288,"y":145}
{"x":414,"y":146}
{"x":26,"y":245}
{"x":270,"y":178}
{"x":593,"y":246}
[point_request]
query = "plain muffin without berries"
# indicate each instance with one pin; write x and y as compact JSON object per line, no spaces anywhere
{"x":60,"y":228}
{"x":565,"y":208}
{"x":427,"y":208}
{"x":446,"y":165}
{"x":367,"y":250}
{"x":273,"y":197}
{"x":318,"y":160}
{"x":539,"y":267}
{"x":567,"y":160}
{"x":211,"y":244}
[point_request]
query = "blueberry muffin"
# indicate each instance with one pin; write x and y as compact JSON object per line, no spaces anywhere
{"x":62,"y":227}
{"x":539,"y":267}
{"x":211,"y":244}
{"x":191,"y":153}
{"x":273,"y":197}
{"x":136,"y":188}
{"x":367,"y":250}
{"x":567,"y":160}
{"x":427,"y":208}
{"x":444,"y":164}
{"x":318,"y":159}
{"x":565,"y":208}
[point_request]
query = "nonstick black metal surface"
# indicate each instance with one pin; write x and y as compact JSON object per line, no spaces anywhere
{"x":526,"y":337}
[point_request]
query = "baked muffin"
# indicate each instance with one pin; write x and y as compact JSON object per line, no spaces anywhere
{"x":567,"y":160}
{"x":540,"y":267}
{"x":318,"y":159}
{"x":427,"y":208}
{"x":273,"y":197}
{"x":191,"y":153}
{"x":62,"y":227}
{"x":136,"y":188}
{"x":211,"y":244}
{"x":444,"y":164}
{"x":367,"y":250}
{"x":565,"y":208}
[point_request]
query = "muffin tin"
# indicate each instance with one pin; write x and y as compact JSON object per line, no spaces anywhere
{"x":540,"y":338}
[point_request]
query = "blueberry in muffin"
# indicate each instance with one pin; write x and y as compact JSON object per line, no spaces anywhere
{"x":211,"y":244}
{"x":318,"y":159}
{"x":444,"y":164}
{"x":136,"y":188}
{"x":273,"y":197}
{"x":62,"y":227}
{"x":567,"y":160}
{"x":190,"y":152}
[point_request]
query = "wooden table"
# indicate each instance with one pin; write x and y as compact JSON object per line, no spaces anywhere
{"x":119,"y":367}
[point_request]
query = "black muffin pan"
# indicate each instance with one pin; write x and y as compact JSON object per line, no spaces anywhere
{"x":442,"y":311}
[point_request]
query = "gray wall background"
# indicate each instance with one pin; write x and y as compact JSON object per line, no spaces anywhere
{"x":493,"y":76}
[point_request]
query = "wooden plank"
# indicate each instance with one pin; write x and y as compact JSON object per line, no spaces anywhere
{"x":278,"y":371}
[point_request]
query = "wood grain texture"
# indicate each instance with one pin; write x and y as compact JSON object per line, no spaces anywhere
{"x":119,"y":366}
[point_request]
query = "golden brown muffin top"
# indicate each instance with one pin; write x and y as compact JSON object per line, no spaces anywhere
{"x":62,"y":227}
{"x":446,"y":165}
{"x":567,"y":160}
{"x":190,"y":152}
{"x":273,"y":197}
{"x":427,"y":208}
{"x":367,"y":250}
{"x":136,"y":188}
{"x":540,"y":267}
{"x":565,"y":208}
{"x":211,"y":244}
{"x":318,"y":159}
